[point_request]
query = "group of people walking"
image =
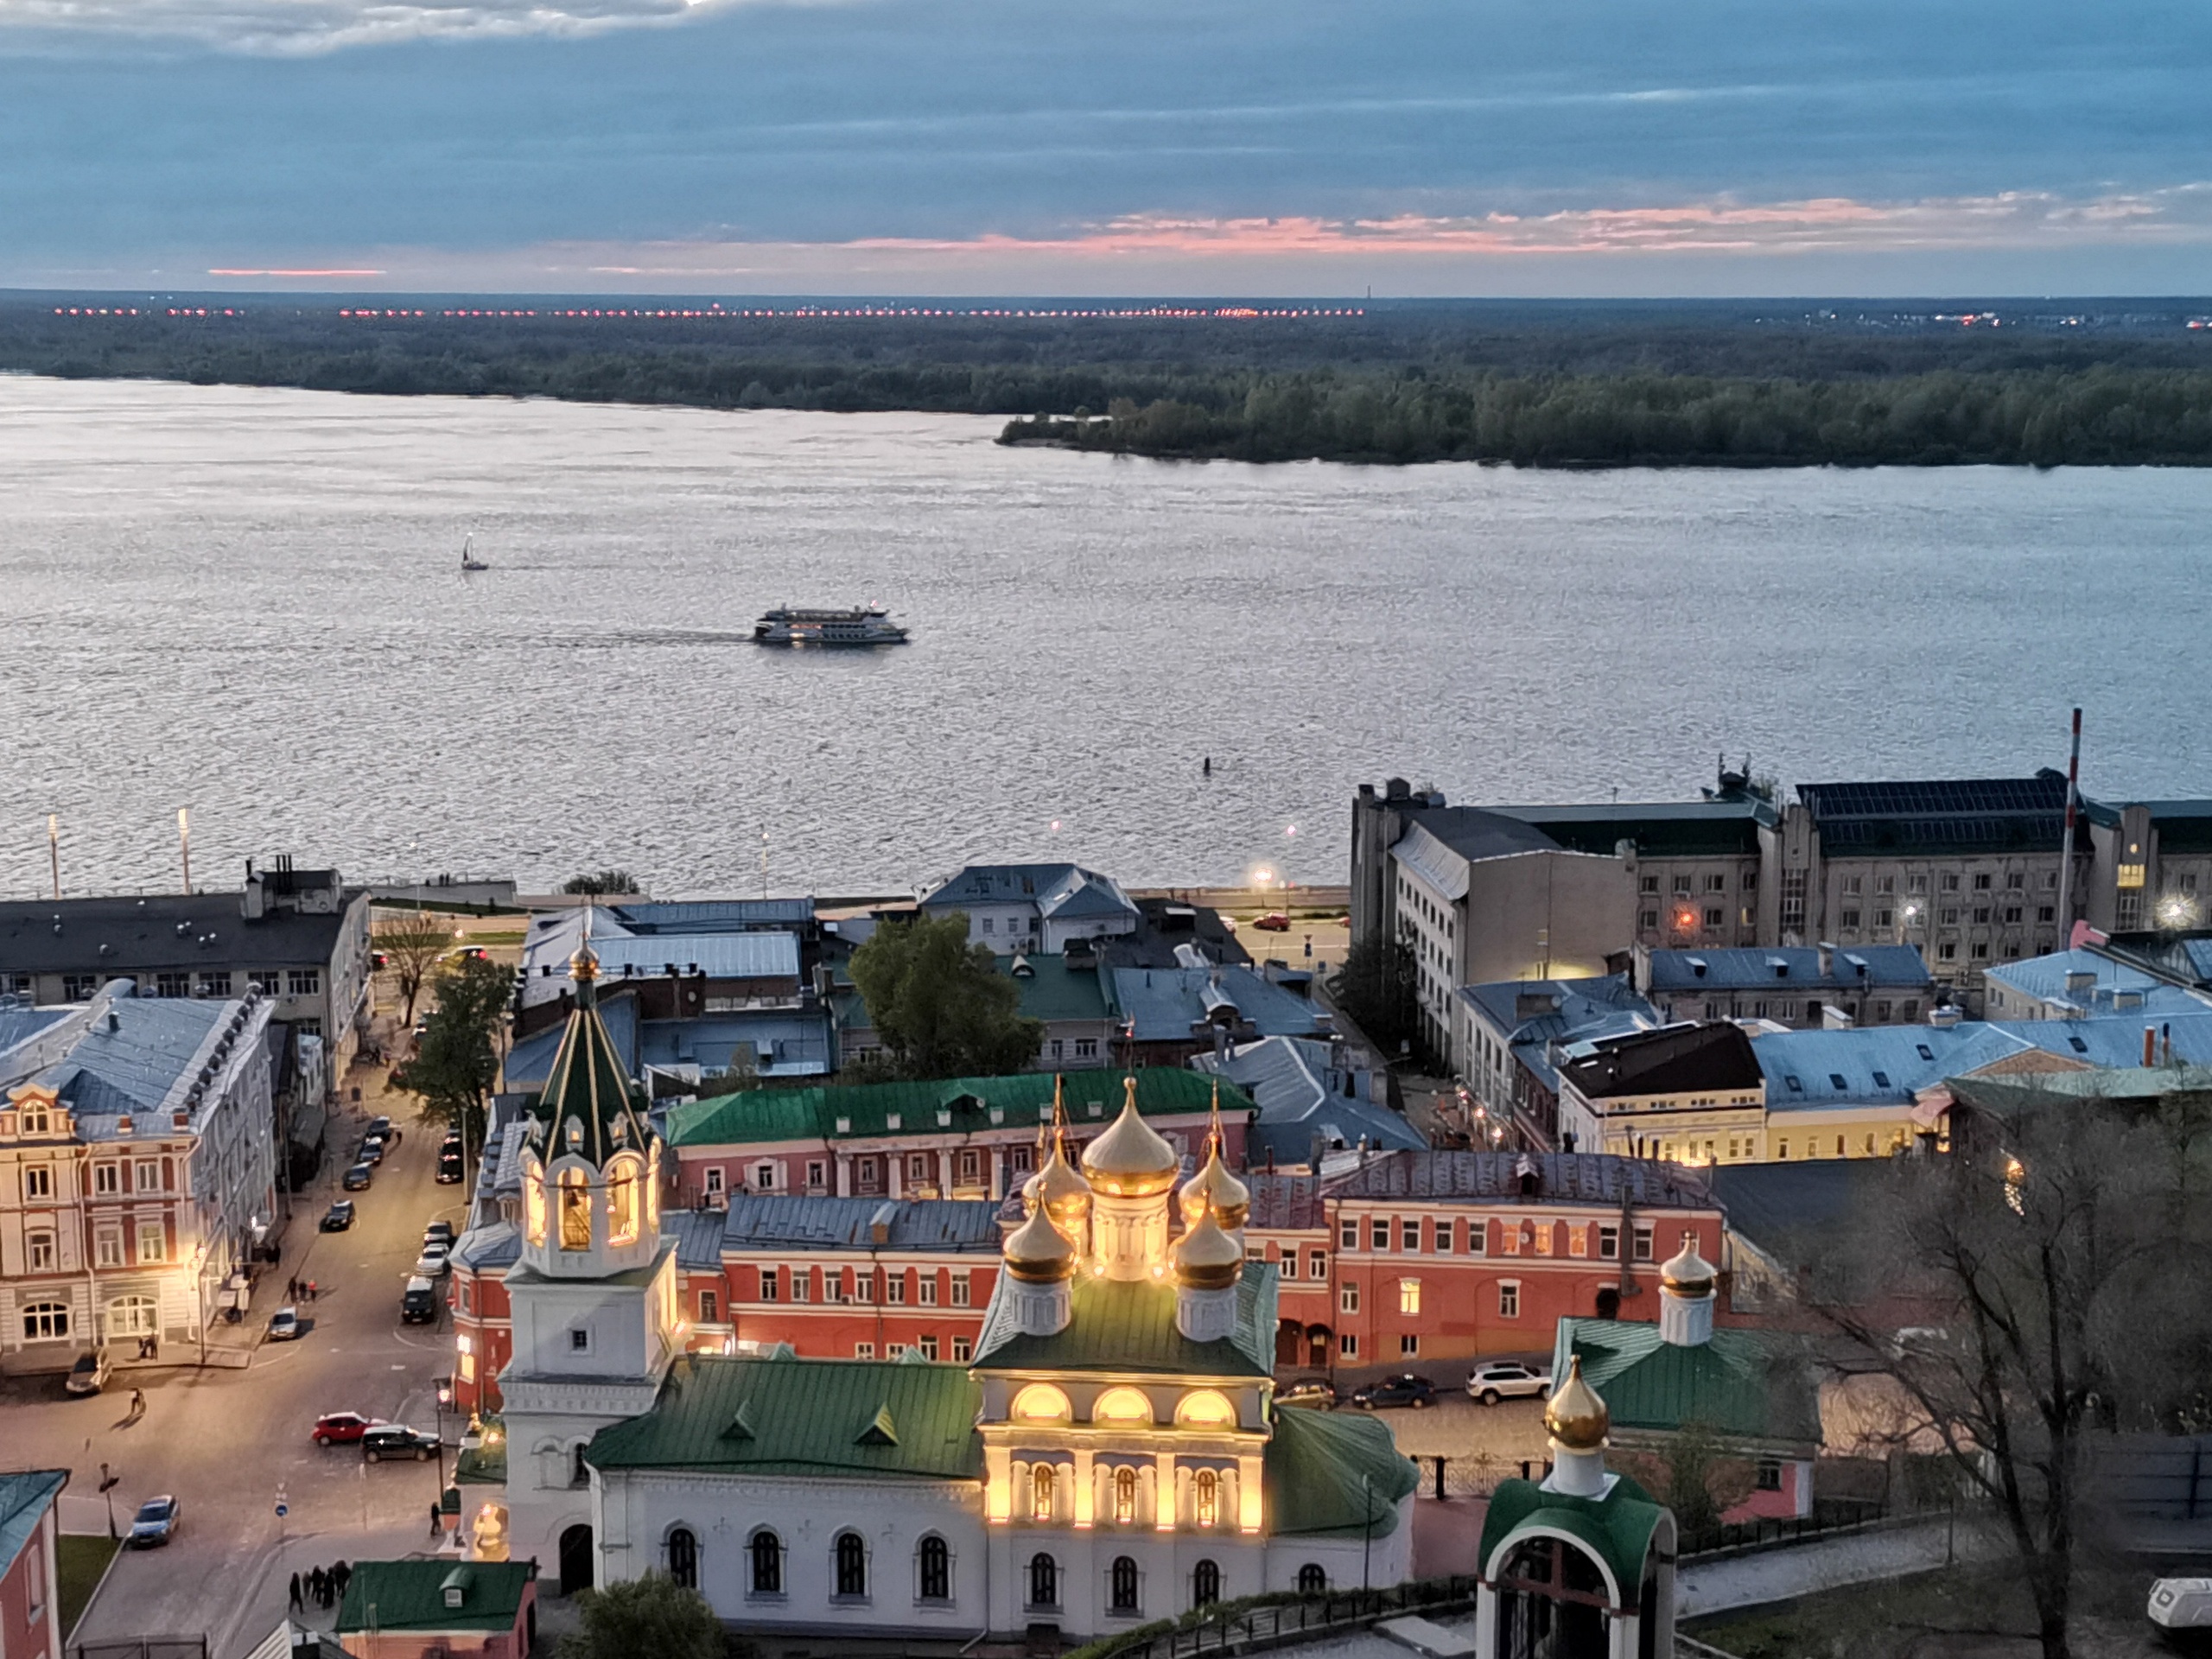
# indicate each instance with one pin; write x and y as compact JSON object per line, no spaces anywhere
{"x":325,"y":1586}
{"x":300,"y":1290}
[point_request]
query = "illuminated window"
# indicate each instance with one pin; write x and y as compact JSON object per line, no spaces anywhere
{"x":1206,"y":1407}
{"x":622,"y":1203}
{"x":1121,"y":1406}
{"x":1040,"y":1402}
{"x":1125,"y":1494}
{"x":1041,"y":1491}
{"x":1408,"y":1295}
{"x":575,"y":1210}
{"x":1205,"y":1498}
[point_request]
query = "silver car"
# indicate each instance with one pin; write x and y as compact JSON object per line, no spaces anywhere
{"x":1502,"y":1379}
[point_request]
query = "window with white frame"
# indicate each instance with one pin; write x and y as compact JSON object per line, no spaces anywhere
{"x":1408,"y":1295}
{"x":960,"y":1287}
{"x":1348,"y":1297}
{"x":153,"y":1242}
{"x":927,"y":1284}
{"x":107,"y":1180}
{"x":1508,"y":1299}
{"x":39,"y":1252}
{"x":38,"y":1182}
{"x":107,"y":1247}
{"x":304,"y":981}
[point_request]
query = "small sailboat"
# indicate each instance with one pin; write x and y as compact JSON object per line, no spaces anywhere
{"x":467,"y":560}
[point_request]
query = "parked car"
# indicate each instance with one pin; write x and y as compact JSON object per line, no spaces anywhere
{"x":1503,"y":1378}
{"x":439,"y":1232}
{"x":1404,"y":1389}
{"x":1308,"y":1391}
{"x":389,"y":1442}
{"x":372,"y":1150}
{"x":358,"y":1178}
{"x":1272,"y":922}
{"x":338,"y":1216}
{"x":382,"y":1126}
{"x":450,"y":1168}
{"x":434,"y":1262}
{"x":90,"y":1374}
{"x":286,"y":1325}
{"x":342,"y":1427}
{"x":155,"y":1521}
{"x":418,"y":1303}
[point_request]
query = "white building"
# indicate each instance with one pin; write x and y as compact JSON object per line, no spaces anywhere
{"x":1034,"y":907}
{"x":1112,"y":1455}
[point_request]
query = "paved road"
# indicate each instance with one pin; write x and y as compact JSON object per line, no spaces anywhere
{"x":225,"y":1440}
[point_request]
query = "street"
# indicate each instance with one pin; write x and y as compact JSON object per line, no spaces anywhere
{"x":228,"y":1441}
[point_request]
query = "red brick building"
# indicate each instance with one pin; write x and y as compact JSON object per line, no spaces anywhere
{"x":31,"y":1605}
{"x":1415,"y":1258}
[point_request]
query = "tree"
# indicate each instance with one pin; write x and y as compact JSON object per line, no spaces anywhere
{"x":940,"y":1005}
{"x":411,"y":945}
{"x":455,"y":1064}
{"x":1696,"y":1476}
{"x":2042,"y":1286}
{"x":1377,"y":988}
{"x":588,"y":881}
{"x":647,"y":1618}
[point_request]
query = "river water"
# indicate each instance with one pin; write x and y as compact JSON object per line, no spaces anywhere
{"x":249,"y":602}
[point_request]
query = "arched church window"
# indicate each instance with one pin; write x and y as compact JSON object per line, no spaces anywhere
{"x":852,"y":1564}
{"x":575,"y":1210}
{"x":1206,"y":1409}
{"x":1044,"y":1580}
{"x":1040,"y":1402}
{"x":1205,"y":1584}
{"x":683,"y":1558}
{"x":533,"y":1207}
{"x":1121,"y":1406}
{"x":1041,"y":1491}
{"x":933,"y":1577}
{"x":1125,"y":1494}
{"x":1205,"y":1498}
{"x":1122,"y":1586}
{"x":1313,"y":1580}
{"x":767,"y":1552}
{"x":622,"y":1202}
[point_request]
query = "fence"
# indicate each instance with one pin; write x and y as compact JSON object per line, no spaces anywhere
{"x":144,"y":1647}
{"x":1246,"y":1629}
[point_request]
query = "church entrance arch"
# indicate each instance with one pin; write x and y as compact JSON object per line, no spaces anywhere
{"x":1552,"y":1603}
{"x":576,"y":1559}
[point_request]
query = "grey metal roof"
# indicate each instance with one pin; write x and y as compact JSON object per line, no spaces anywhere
{"x":2044,"y":979}
{"x":135,"y":934}
{"x":1560,"y":1178}
{"x":1163,"y":1003}
{"x":698,"y":1238}
{"x":1060,"y":890}
{"x":495,"y":1244}
{"x":1784,"y":967}
{"x":1674,"y":1059}
{"x":794,"y":1223}
{"x":1474,"y":832}
{"x":121,"y":1053}
{"x":709,"y":915}
{"x":1288,"y":1079}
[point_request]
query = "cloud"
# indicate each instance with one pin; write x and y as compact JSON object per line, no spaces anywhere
{"x":305,"y":28}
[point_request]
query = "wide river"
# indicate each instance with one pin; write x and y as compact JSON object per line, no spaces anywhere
{"x":250,"y":602}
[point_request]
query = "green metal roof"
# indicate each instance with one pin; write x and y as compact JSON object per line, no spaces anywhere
{"x":586,"y":1104}
{"x":804,"y":1417}
{"x":1113,"y":1325}
{"x":411,"y":1595}
{"x":1050,"y":990}
{"x":1316,"y":1462}
{"x":1616,"y":1527}
{"x":958,"y":1104}
{"x":1741,"y":1385}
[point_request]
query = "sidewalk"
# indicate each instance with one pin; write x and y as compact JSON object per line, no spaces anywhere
{"x":1781,"y":1573}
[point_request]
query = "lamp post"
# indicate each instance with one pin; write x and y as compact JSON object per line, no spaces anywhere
{"x":1366,"y":1527}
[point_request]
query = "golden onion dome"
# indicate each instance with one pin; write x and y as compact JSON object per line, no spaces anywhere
{"x":1687,"y":1273}
{"x":1206,"y":1258}
{"x":1214,"y":1191}
{"x":1039,"y":1252}
{"x":1574,"y":1415}
{"x":1131,"y":1160}
{"x":1062,"y":1191}
{"x":584,"y":965}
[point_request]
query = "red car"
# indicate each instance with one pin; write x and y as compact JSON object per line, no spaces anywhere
{"x":1273,"y":923}
{"x":340,"y":1427}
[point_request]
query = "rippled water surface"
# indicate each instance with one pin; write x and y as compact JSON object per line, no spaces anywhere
{"x":249,"y":601}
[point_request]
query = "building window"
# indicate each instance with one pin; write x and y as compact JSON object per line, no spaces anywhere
{"x":1508,"y":1299}
{"x":1205,"y":1585}
{"x":153,"y":1241}
{"x":814,"y":1172}
{"x":683,"y":1558}
{"x":1041,"y":1491}
{"x":1443,"y":1237}
{"x":802,"y":1284}
{"x":964,"y":1350}
{"x":769,"y":1287}
{"x":107,"y":1180}
{"x":579,"y":1470}
{"x":1205,"y":1498}
{"x":1770,"y":1475}
{"x":1644,"y":1241}
{"x":1478,"y":1236}
{"x":1646,"y":883}
{"x":215,"y":984}
{"x":146,"y":1175}
{"x":1409,"y":1235}
{"x":713,"y":1180}
{"x":1782,"y":1150}
{"x":1682,"y":884}
{"x":46,"y":1322}
{"x":1044,"y":1582}
{"x":764,"y":1178}
{"x":172,"y":984}
{"x":933,"y":1570}
{"x":1348,"y":1235}
{"x":133,"y":1316}
{"x":1379,"y":1235}
{"x":107,"y":1248}
{"x":1086,"y":1048}
{"x":960,"y":1288}
{"x":1609,"y":1244}
{"x":579,"y":1339}
{"x":1122,"y":1586}
{"x":925,"y":1282}
{"x":1313,"y":1580}
{"x":852,"y":1565}
{"x":894,"y":1287}
{"x":38,"y":1251}
{"x":1125,"y":1494}
{"x":1408,"y":1295}
{"x":1409,"y":1346}
{"x":710,"y":1307}
{"x":767,"y":1552}
{"x":833,"y":1284}
{"x":1317,"y":1264}
{"x":38,"y":1181}
{"x":304,"y":981}
{"x":929,"y":1348}
{"x":80,"y":987}
{"x":1649,"y":919}
{"x":1348,"y":1297}
{"x":863,"y":1285}
{"x":1348,"y":1345}
{"x":575,"y":1195}
{"x":1851,"y":919}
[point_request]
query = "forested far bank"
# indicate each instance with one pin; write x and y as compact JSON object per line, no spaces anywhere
{"x":2101,"y":416}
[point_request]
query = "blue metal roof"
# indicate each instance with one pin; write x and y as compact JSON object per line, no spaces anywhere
{"x":1063,"y":890}
{"x":1787,"y":966}
{"x":718,"y":955}
{"x":1872,"y":1064}
{"x":1163,"y":1003}
{"x":711,"y":915}
{"x":785,"y":1044}
{"x":2117,"y":1041}
{"x":827,"y":1223}
{"x":1288,"y":1079}
{"x":24,"y":1500}
{"x":2043,"y":978}
{"x":121,"y":1053}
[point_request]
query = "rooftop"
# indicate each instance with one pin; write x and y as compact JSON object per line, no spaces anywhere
{"x":413,"y":1595}
{"x":807,"y":1417}
{"x":24,"y":1499}
{"x":1525,"y":1177}
{"x":1334,"y":1474}
{"x":1709,"y":829}
{"x":1061,"y":891}
{"x":121,"y":1053}
{"x":826,"y":1223}
{"x":2044,"y":979}
{"x":1164,"y":1004}
{"x":1292,"y":1081}
{"x":1673,"y":1060}
{"x":1848,"y":968}
{"x":1052,"y":990}
{"x":161,"y":931}
{"x":1130,"y":1327}
{"x":1957,"y":816}
{"x":1742,"y":1384}
{"x":1616,"y":1527}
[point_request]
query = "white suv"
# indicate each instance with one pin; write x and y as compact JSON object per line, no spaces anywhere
{"x":1500,"y":1378}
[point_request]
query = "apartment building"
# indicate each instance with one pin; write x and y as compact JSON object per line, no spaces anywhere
{"x":1513,"y":1035}
{"x":1033,"y":906}
{"x":138,"y":1168}
{"x":1798,"y":986}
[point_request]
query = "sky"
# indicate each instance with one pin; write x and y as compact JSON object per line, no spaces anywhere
{"x":1109,"y":146}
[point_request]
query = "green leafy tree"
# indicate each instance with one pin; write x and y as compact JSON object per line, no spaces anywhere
{"x":456,"y":1061}
{"x":941,"y":1005}
{"x":597,"y":881}
{"x":647,"y":1618}
{"x":411,"y":946}
{"x":1377,"y":988}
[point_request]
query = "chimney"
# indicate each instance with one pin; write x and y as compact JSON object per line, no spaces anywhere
{"x":1825,"y":956}
{"x":2079,"y":981}
{"x":2150,"y":1045}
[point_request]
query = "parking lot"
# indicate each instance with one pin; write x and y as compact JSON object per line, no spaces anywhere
{"x":230,"y":1442}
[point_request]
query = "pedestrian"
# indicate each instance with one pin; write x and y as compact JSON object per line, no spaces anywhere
{"x":310,"y":1290}
{"x":137,"y":1404}
{"x":298,"y":1605}
{"x":292,"y":1288}
{"x":343,"y":1575}
{"x":318,"y":1586}
{"x":437,"y":1518}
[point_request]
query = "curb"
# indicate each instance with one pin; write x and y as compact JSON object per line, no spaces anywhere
{"x":93,"y":1600}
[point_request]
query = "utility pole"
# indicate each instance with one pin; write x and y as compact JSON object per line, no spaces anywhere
{"x":184,"y":841}
{"x":2066,"y":856}
{"x":53,"y":849}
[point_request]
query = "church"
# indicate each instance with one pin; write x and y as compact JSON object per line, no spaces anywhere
{"x":1111,"y":1454}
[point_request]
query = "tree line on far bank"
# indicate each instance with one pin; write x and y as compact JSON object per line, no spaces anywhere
{"x":2103,"y":416}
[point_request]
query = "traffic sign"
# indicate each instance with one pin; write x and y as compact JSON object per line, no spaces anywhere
{"x":284,"y":1509}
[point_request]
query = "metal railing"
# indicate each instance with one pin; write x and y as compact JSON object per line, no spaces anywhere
{"x":144,"y":1647}
{"x":1250,"y":1629}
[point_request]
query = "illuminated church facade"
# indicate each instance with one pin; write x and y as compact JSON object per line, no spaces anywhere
{"x":1112,"y":1455}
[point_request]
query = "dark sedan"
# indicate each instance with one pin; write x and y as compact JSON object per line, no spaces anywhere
{"x":1406,"y":1389}
{"x":338,"y":1216}
{"x":155,"y":1523}
{"x":388,"y":1442}
{"x":358,"y":1178}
